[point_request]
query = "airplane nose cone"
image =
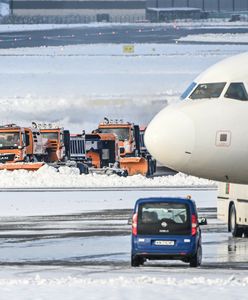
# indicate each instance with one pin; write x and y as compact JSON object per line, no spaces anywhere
{"x":170,"y":138}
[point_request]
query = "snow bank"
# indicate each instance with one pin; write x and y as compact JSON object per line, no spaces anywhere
{"x":49,"y":177}
{"x":217,"y":23}
{"x":122,"y":281}
{"x":123,"y":287}
{"x":241,"y":38}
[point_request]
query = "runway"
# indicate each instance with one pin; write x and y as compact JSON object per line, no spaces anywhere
{"x":108,"y":34}
{"x":92,"y":228}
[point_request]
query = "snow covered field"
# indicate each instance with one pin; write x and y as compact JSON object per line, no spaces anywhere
{"x":78,"y":85}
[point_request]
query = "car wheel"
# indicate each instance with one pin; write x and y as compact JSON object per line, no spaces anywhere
{"x":196,"y":260}
{"x":136,"y":261}
{"x":236,"y":232}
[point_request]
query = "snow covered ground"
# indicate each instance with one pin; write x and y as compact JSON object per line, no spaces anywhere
{"x":217,"y":23}
{"x":78,"y":85}
{"x":216,"y":38}
{"x":89,"y":283}
{"x":61,"y":202}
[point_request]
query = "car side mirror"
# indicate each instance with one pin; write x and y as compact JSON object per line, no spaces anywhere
{"x":202,"y":221}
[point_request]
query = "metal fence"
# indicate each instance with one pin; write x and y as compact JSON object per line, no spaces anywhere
{"x":76,"y":19}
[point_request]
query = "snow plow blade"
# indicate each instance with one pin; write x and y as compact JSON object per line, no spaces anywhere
{"x":22,"y":166}
{"x":134,"y":165}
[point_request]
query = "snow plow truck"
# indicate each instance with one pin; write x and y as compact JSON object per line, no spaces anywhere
{"x":24,"y":148}
{"x":21,"y":148}
{"x":133,"y":158}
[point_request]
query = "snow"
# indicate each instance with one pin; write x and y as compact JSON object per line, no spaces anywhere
{"x":216,"y":38}
{"x":73,"y":85}
{"x":213,"y":23}
{"x":48,"y":177}
{"x":128,"y":285}
{"x":63,"y":202}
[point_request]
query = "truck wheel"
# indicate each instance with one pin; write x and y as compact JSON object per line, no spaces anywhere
{"x":196,"y":260}
{"x":235,"y":230}
{"x":150,"y":170}
{"x":83,"y":169}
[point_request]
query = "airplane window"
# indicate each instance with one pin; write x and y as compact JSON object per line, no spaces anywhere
{"x":208,"y":90}
{"x":188,"y":90}
{"x":236,"y":90}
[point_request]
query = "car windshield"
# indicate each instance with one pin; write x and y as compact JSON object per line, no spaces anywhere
{"x":208,"y":90}
{"x":122,"y":133}
{"x":50,"y":135}
{"x":164,"y":219}
{"x":236,"y":90}
{"x":9,"y":139}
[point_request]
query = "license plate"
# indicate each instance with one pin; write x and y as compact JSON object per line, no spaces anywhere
{"x":164,"y":243}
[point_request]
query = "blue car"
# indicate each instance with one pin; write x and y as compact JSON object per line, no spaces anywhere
{"x":167,"y":229}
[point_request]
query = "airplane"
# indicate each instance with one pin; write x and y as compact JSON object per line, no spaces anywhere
{"x":206,"y":135}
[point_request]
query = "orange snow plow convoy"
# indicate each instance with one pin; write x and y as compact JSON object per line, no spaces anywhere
{"x":113,"y":148}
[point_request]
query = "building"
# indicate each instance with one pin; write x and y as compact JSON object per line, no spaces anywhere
{"x":167,"y":10}
{"x":205,"y":5}
{"x":95,"y":10}
{"x":79,"y":11}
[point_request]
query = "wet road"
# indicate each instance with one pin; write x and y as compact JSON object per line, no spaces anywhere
{"x":102,"y":238}
{"x":106,"y":34}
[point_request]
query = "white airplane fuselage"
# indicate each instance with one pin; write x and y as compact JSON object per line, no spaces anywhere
{"x":206,"y":133}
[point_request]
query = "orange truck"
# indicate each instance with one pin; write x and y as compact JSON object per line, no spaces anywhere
{"x":30,"y":148}
{"x":102,"y":150}
{"x":21,"y":148}
{"x":64,"y":149}
{"x":132,"y":158}
{"x":56,"y":145}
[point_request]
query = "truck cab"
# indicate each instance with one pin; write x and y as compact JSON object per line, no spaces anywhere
{"x":55,"y":141}
{"x":125,"y":133}
{"x":20,"y":144}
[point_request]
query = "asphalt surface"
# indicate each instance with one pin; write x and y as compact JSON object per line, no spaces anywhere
{"x":102,"y":238}
{"x":106,"y":34}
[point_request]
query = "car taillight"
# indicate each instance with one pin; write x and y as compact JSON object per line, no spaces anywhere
{"x":134,"y":224}
{"x":193,"y":225}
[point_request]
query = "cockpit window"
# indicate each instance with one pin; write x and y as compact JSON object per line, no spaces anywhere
{"x":236,"y":90}
{"x":208,"y":90}
{"x":188,"y":90}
